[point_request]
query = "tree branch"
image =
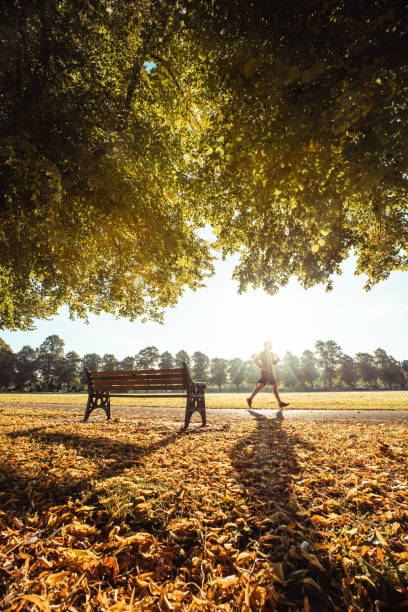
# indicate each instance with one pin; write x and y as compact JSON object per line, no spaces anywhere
{"x":177,"y":84}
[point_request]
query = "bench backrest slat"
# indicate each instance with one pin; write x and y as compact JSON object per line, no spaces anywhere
{"x":134,"y":380}
{"x":138,"y":388}
{"x":152,"y":372}
{"x":141,"y":379}
{"x":113,"y":379}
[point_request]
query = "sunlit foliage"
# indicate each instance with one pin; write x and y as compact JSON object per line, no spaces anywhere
{"x":127,"y":126}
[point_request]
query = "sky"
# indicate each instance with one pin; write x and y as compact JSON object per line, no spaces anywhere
{"x":221,"y":323}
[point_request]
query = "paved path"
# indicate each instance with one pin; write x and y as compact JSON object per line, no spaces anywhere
{"x":226,"y":415}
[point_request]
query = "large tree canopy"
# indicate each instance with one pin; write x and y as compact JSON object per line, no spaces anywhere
{"x":307,"y":148}
{"x":127,"y":126}
{"x":94,"y":208}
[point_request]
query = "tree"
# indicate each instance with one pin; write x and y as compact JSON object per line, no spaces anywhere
{"x":290,"y":370}
{"x":404,"y":374}
{"x":143,"y":121}
{"x":70,"y":369}
{"x":109,"y":363}
{"x":388,"y":368}
{"x":367,"y":368}
{"x":94,"y":160}
{"x":348,"y":370}
{"x":201,"y":364}
{"x":7,"y":363}
{"x":308,"y":369}
{"x":25,"y":365}
{"x":252,"y":372}
{"x":166,"y":361}
{"x":394,"y":374}
{"x":236,"y":372}
{"x":147,"y":358}
{"x":91,"y":362}
{"x":218,"y":371}
{"x":182,"y":357}
{"x":308,"y":142}
{"x":49,"y":360}
{"x":329,"y":354}
{"x":128,"y":363}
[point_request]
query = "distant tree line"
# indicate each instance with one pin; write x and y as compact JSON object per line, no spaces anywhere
{"x":49,"y":368}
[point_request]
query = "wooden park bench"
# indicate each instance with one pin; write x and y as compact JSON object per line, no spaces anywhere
{"x":147,"y":383}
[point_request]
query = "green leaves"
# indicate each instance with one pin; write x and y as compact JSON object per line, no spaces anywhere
{"x":124,"y":132}
{"x":99,"y":167}
{"x":307,"y":179}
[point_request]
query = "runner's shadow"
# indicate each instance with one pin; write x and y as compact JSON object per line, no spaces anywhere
{"x":265,"y":464}
{"x":265,"y":461}
{"x":261,"y":417}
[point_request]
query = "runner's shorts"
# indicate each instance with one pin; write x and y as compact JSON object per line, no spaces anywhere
{"x":267,"y":379}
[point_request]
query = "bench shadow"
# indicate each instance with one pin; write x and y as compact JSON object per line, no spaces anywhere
{"x":25,"y":489}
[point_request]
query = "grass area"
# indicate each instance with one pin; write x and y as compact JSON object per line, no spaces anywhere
{"x":267,"y":515}
{"x":356,"y":400}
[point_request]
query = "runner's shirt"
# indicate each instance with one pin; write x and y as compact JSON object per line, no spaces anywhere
{"x":267,"y":360}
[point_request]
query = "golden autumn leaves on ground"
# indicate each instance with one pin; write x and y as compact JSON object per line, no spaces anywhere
{"x":266,"y":515}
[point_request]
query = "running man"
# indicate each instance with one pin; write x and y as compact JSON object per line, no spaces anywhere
{"x":266,"y":362}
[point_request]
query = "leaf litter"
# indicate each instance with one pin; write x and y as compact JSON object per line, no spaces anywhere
{"x":264,"y":515}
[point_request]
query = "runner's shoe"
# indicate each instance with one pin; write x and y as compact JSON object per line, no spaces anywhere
{"x":283,"y":404}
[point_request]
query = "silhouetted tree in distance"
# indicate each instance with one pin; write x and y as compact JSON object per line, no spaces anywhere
{"x":49,"y":360}
{"x":110,"y":363}
{"x":367,"y":368}
{"x":218,"y":371}
{"x":26,"y":366}
{"x":70,"y":369}
{"x":252,"y":373}
{"x":127,"y":363}
{"x":289,"y":370}
{"x":91,"y":362}
{"x":182,"y":357}
{"x":329,"y":354}
{"x":147,"y":358}
{"x":7,"y":362}
{"x":166,"y":361}
{"x":201,"y":365}
{"x":236,"y":372}
{"x":308,"y":367}
{"x":348,"y":370}
{"x":388,"y":368}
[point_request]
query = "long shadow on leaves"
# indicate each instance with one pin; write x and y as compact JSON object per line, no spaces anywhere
{"x":265,"y":463}
{"x":110,"y":457}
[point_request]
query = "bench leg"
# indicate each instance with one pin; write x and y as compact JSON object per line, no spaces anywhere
{"x":98,"y":400}
{"x":87,"y":409}
{"x":195,"y":403}
{"x":201,"y":409}
{"x":189,"y":411}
